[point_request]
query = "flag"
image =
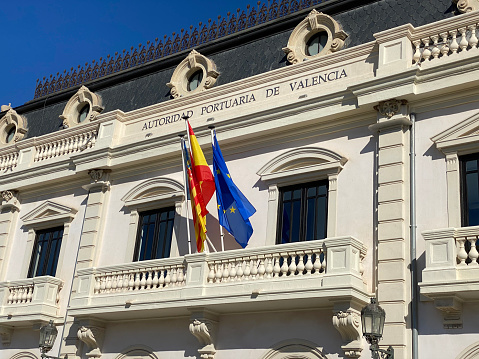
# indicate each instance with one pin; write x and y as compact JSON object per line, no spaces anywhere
{"x":200,"y":168}
{"x":198,"y":206}
{"x":234,"y":209}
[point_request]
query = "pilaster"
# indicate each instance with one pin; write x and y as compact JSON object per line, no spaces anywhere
{"x":393,"y":222}
{"x":99,"y":188}
{"x":10,"y":206}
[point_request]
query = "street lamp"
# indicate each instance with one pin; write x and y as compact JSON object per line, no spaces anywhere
{"x":372,"y":319}
{"x":48,"y":334}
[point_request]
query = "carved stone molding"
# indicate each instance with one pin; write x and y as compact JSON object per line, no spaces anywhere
{"x":6,"y":335}
{"x":193,"y":63}
{"x":99,"y":178}
{"x":314,"y":23}
{"x":204,"y":326}
{"x":92,"y":336}
{"x":451,"y":308}
{"x":84,"y":97}
{"x":12,"y":121}
{"x":466,"y":5}
{"x":9,"y":199}
{"x":390,"y":108}
{"x":348,"y":325}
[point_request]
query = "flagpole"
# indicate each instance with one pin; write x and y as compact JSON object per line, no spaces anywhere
{"x":186,"y":194}
{"x":222,"y":236}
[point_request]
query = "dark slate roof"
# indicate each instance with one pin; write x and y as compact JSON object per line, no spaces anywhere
{"x":146,"y":85}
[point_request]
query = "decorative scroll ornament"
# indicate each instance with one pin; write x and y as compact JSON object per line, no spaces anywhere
{"x":348,"y":325}
{"x":93,"y":338}
{"x":95,"y":175}
{"x":204,"y":332}
{"x":9,"y":199}
{"x":84,"y":98}
{"x":99,"y":177}
{"x":466,"y":5}
{"x":12,"y":120}
{"x":316,"y":22}
{"x":390,"y":108}
{"x":193,"y":63}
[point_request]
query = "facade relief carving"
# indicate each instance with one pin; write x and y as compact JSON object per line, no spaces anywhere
{"x":315,"y":23}
{"x":84,"y":106}
{"x":93,"y":338}
{"x":390,"y":108}
{"x":466,"y":5}
{"x":9,"y":199}
{"x":204,"y":329}
{"x":194,"y":63}
{"x":13,"y":127}
{"x":348,"y":324}
{"x":99,"y":178}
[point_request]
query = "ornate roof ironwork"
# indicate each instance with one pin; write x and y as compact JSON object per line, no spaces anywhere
{"x":177,"y":42}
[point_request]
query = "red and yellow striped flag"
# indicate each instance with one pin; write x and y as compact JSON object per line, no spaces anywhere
{"x":199,"y":211}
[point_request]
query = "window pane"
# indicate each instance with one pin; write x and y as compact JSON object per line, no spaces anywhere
{"x":310,"y":218}
{"x":472,"y":198}
{"x":471,"y":165}
{"x":46,"y":252}
{"x":321,"y":211}
{"x":286,"y":228}
{"x":296,"y":221}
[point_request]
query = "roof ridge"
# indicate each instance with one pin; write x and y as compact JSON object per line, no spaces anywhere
{"x":177,"y":42}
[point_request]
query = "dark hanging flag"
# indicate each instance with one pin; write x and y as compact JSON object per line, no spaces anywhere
{"x":234,"y":209}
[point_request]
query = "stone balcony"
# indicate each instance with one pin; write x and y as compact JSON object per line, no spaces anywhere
{"x":451,"y":276}
{"x":29,"y":301}
{"x":291,"y":276}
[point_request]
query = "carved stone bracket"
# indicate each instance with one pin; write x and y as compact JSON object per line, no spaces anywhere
{"x":466,"y":5}
{"x":92,"y":336}
{"x":204,"y":326}
{"x":451,"y":308}
{"x":348,"y":325}
{"x":390,"y":108}
{"x":99,"y":178}
{"x":6,"y":335}
{"x":9,"y":199}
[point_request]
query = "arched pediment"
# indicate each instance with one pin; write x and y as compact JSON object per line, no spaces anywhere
{"x":137,"y":352}
{"x":24,"y":355}
{"x":161,"y":189}
{"x":302,"y":162}
{"x":471,"y":352}
{"x":49,"y":213}
{"x":295,"y":348}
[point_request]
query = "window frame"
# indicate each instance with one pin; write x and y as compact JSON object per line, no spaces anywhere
{"x":303,"y":210}
{"x":31,"y":268}
{"x":156,"y":239}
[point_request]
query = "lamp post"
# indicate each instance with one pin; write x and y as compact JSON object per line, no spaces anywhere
{"x":372,"y":319}
{"x":48,"y":334}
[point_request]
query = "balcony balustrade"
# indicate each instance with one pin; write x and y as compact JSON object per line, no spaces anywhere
{"x":451,"y":276}
{"x":29,"y":301}
{"x":290,"y":276}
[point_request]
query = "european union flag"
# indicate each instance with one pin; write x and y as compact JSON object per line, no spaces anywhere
{"x":234,"y":209}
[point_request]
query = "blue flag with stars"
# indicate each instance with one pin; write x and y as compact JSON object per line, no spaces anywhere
{"x":234,"y":209}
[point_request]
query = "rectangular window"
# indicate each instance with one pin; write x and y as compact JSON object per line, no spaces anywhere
{"x":155,"y":230}
{"x":470,"y":189}
{"x":302,"y":212}
{"x":45,"y":252}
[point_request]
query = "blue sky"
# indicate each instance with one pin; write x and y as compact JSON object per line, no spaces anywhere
{"x":40,"y":38}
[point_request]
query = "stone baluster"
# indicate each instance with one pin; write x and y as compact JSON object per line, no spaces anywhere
{"x":233,"y":271}
{"x":473,"y":39}
{"x":174,"y":277}
{"x":126,"y":281}
{"x":114,"y":282}
{"x":10,"y":296}
{"x":181,"y":276}
{"x":57,"y":148}
{"x":254,"y":267}
{"x":239,"y":271}
{"x":454,"y":45}
{"x":461,"y":251}
{"x":131,"y":281}
{"x":426,"y":53}
{"x":49,"y":151}
{"x":463,"y":44}
{"x":247,"y":269}
{"x":30,"y":294}
{"x":269,"y":267}
{"x":292,"y":265}
{"x":417,"y":54}
{"x":219,"y":273}
{"x":149,"y":280}
{"x":284,"y":267}
{"x":155,"y":281}
{"x":137,"y":280}
{"x":93,"y":138}
{"x":317,"y":262}
{"x":261,"y":268}
{"x":226,"y":271}
{"x":473,"y":254}
{"x":108,"y":283}
{"x":161,"y":280}
{"x":13,"y":292}
{"x":300,"y":267}
{"x":309,"y":264}
{"x":103,"y":284}
{"x":168,"y":277}
{"x":142,"y":279}
{"x":323,"y":263}
{"x":211,"y":273}
{"x":23,"y":296}
{"x":276,"y":266}
{"x":435,"y":50}
{"x":96,"y":288}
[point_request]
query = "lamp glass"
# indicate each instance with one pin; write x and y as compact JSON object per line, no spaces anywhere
{"x":372,"y":318}
{"x":48,"y":334}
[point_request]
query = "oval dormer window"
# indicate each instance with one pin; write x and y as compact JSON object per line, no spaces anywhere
{"x":10,"y":134}
{"x":82,"y":115}
{"x":195,"y":80}
{"x":316,"y":43}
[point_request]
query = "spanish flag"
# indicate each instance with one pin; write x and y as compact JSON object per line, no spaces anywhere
{"x":198,"y":206}
{"x":201,"y":169}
